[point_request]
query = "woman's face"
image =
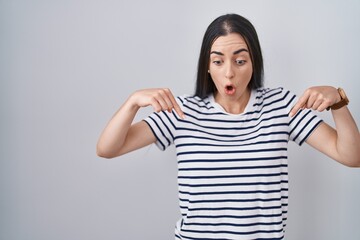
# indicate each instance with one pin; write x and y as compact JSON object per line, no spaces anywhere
{"x":230,"y":66}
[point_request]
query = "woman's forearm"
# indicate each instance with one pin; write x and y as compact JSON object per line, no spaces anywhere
{"x":113,"y":136}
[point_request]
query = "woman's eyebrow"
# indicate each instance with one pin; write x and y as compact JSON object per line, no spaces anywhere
{"x":240,"y":50}
{"x":217,"y":53}
{"x":236,"y":52}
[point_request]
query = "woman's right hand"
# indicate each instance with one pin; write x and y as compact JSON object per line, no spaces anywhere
{"x":161,"y":99}
{"x":121,"y":136}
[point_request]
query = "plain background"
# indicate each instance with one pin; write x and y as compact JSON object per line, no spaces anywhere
{"x":67,"y":66}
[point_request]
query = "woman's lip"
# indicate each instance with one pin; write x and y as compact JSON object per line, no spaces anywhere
{"x":230,"y":89}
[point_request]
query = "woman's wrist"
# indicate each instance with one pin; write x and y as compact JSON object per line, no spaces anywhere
{"x":341,"y":100}
{"x":132,"y":103}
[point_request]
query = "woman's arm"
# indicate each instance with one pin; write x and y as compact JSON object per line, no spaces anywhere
{"x":342,"y":143}
{"x":120,"y":136}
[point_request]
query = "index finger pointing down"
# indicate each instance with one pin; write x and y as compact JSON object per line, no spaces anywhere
{"x":176,"y":106}
{"x":301,"y":103}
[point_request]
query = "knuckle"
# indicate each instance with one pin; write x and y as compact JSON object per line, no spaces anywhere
{"x":157,"y":108}
{"x":157,"y":94}
{"x":162,"y":93}
{"x":153,"y":99}
{"x":327,"y":101}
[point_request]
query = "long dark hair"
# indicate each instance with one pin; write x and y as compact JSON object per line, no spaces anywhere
{"x":222,"y":26}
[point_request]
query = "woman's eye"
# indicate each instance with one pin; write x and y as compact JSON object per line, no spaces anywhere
{"x":240,"y":62}
{"x":217,"y":62}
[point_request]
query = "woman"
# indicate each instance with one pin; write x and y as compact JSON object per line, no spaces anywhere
{"x":231,"y":137}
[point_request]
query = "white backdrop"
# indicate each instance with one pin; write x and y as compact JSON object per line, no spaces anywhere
{"x":67,"y":66}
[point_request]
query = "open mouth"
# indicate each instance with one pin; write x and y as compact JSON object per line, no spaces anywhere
{"x":230,"y":89}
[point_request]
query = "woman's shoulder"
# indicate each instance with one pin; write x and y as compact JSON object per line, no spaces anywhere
{"x":188,"y":99}
{"x":273,"y":96}
{"x":267,"y":92}
{"x":196,"y":104}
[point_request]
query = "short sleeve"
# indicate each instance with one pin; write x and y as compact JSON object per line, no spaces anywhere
{"x":303,"y":123}
{"x":163,"y":125}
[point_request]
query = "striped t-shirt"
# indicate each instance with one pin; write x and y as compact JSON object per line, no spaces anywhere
{"x":233,"y":168}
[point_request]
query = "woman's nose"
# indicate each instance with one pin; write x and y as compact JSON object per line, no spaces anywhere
{"x":229,"y":71}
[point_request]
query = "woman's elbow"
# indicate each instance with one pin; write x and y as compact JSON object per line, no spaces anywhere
{"x":355,"y":163}
{"x":104,"y":153}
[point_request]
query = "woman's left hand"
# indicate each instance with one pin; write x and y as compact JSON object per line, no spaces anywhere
{"x":316,"y":98}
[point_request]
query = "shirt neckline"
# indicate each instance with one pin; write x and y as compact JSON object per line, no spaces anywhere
{"x":221,"y":109}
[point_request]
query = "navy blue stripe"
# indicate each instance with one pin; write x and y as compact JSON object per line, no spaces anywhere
{"x":235,"y":224}
{"x":206,"y":105}
{"x":180,"y":100}
{"x":232,"y":208}
{"x":217,"y":238}
{"x":233,"y":159}
{"x":233,"y":184}
{"x":228,"y":152}
{"x":233,"y":232}
{"x":266,"y":91}
{"x":234,"y":176}
{"x":202,"y":113}
{"x":236,"y":216}
{"x":233,"y":168}
{"x":271,"y":111}
{"x":290,"y":102}
{"x":234,"y":192}
{"x":192,"y":238}
{"x":268,"y":96}
{"x":239,"y":123}
{"x":273,"y":102}
{"x":234,"y":200}
{"x":269,"y":238}
{"x":197,"y":99}
{"x":233,"y":140}
{"x":230,"y":145}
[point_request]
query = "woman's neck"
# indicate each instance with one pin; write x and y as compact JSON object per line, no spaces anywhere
{"x":233,"y":105}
